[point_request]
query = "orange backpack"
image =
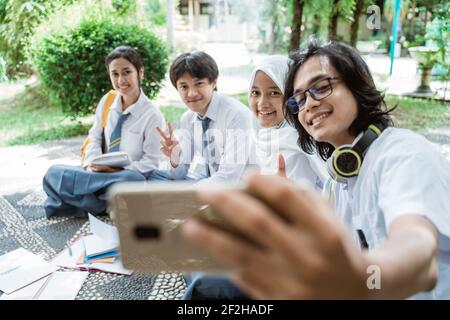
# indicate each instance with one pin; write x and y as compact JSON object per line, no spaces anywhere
{"x":109,"y":100}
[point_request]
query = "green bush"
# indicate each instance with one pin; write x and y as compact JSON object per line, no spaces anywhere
{"x":18,"y":20}
{"x":123,"y":7}
{"x":71,"y":64}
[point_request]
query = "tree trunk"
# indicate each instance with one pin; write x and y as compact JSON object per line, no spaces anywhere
{"x":332,"y":27}
{"x":296,"y":26}
{"x":389,"y":21}
{"x":273,"y":31}
{"x":411,"y":22}
{"x":355,"y":24}
{"x":380,"y":3}
{"x":315,"y":24}
{"x":425,"y":21}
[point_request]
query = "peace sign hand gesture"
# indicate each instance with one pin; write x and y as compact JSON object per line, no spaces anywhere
{"x":170,"y":147}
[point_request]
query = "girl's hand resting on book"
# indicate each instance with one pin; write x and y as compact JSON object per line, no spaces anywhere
{"x":100,"y":168}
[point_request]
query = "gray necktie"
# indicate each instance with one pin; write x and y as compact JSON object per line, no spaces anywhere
{"x":205,"y":124}
{"x":114,"y":142}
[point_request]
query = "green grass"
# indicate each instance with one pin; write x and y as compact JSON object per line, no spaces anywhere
{"x":418,"y":114}
{"x":172,"y":114}
{"x":57,"y":133}
{"x":30,"y":118}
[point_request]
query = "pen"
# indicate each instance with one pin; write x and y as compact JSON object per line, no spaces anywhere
{"x":362,"y":239}
{"x":69,"y":248}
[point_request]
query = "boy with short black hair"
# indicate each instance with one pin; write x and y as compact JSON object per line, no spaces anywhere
{"x":214,"y":138}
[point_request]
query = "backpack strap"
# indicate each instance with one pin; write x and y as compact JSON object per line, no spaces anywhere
{"x":109,"y":101}
{"x":111,"y":95}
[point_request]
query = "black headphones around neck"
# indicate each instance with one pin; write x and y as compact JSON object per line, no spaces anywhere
{"x":346,"y":161}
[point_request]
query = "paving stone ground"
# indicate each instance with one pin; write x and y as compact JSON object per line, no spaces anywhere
{"x":21,"y":175}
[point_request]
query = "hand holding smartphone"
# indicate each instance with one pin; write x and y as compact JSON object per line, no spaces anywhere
{"x":149,"y":217}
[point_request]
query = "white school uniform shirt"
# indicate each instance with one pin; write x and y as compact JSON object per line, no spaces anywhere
{"x":139,"y":137}
{"x":282,"y":139}
{"x":402,"y":173}
{"x":230,"y":142}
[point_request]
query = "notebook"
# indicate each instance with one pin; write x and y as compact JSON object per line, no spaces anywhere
{"x":20,"y":267}
{"x":104,"y":238}
{"x":56,"y":286}
{"x":69,"y":261}
{"x":96,"y":246}
{"x":113,"y":159}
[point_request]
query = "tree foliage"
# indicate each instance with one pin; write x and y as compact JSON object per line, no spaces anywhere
{"x":274,"y":19}
{"x":71,"y":63}
{"x":18,"y":18}
{"x":439,"y":35}
{"x":123,"y":7}
{"x":156,"y":11}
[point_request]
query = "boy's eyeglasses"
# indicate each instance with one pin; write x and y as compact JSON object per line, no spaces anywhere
{"x":318,"y":91}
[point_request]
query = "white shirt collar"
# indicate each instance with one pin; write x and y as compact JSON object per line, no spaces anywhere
{"x":136,"y":109}
{"x":213,"y":108}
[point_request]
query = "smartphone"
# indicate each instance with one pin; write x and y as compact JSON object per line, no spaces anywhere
{"x":148,"y":218}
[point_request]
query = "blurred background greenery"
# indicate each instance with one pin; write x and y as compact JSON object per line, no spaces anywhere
{"x":51,"y":52}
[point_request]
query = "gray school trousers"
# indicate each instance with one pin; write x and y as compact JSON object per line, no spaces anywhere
{"x":73,"y":191}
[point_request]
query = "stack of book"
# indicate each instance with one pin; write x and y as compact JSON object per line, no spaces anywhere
{"x":98,"y":251}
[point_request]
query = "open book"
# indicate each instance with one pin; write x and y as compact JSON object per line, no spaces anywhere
{"x":112,"y":159}
{"x":104,"y":238}
{"x":96,"y":246}
{"x":21,"y":267}
{"x":59,"y":285}
{"x":69,"y":261}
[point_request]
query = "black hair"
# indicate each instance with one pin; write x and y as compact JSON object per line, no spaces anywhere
{"x":355,"y":74}
{"x":127,"y":53}
{"x":198,"y":64}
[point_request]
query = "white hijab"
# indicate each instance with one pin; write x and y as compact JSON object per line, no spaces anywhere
{"x":276,"y":67}
{"x":283,"y":138}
